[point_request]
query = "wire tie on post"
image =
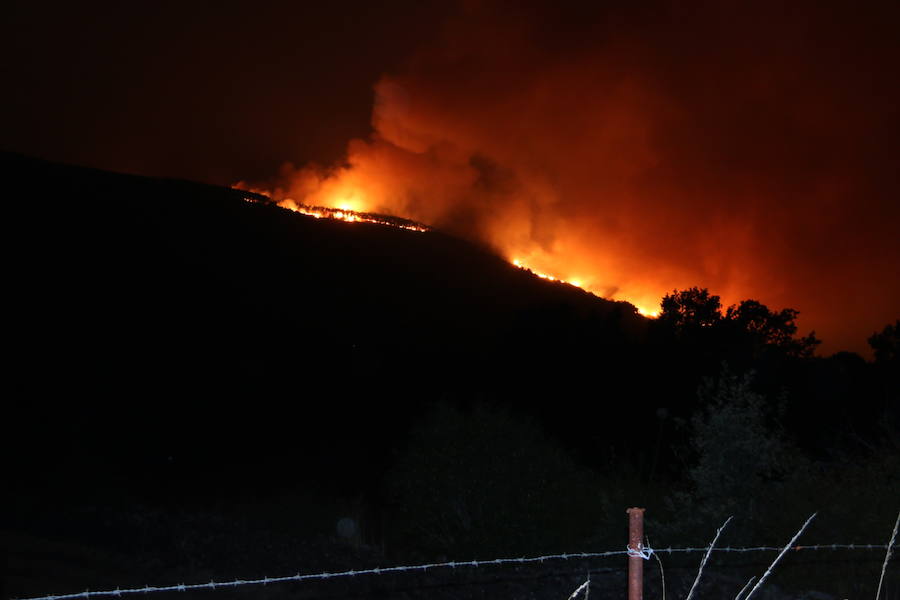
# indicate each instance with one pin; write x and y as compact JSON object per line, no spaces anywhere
{"x":644,"y":553}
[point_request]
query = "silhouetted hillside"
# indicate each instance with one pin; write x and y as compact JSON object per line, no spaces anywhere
{"x":158,"y":318}
{"x":155,"y":318}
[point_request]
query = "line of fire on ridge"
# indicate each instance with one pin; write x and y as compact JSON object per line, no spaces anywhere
{"x":341,"y":214}
{"x":651,"y":314}
{"x":351,"y":216}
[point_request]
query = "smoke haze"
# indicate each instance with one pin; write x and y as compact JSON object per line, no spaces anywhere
{"x":745,"y":148}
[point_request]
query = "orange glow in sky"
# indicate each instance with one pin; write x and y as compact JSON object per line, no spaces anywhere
{"x":635,"y":168}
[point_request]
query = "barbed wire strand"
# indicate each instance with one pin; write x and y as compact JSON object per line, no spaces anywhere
{"x":777,"y":548}
{"x":780,"y":554}
{"x":645,"y":553}
{"x":706,"y":556}
{"x":887,"y":556}
{"x":212,"y":585}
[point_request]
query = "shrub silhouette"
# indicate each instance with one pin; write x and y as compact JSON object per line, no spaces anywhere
{"x":485,"y":482}
{"x":741,"y":457}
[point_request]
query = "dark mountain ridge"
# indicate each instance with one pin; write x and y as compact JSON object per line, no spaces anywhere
{"x":178,"y":307}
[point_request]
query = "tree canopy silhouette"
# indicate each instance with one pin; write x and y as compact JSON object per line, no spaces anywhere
{"x":749,"y":325}
{"x":766,"y":328}
{"x":691,"y":308}
{"x":886,"y":344}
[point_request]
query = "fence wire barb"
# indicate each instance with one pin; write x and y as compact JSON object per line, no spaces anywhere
{"x":645,"y":553}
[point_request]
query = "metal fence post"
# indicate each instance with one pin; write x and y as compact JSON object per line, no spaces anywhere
{"x":635,"y":558}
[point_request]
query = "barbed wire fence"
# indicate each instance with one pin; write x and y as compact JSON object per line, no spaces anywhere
{"x":636,"y":551}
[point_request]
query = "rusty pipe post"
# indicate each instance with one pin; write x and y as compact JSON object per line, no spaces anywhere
{"x":635,"y":559}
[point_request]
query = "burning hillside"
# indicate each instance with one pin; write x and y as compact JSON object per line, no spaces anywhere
{"x":341,"y":214}
{"x":352,"y":216}
{"x":609,"y":161}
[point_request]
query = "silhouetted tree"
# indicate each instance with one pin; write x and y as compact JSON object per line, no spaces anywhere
{"x":762,"y":327}
{"x":886,"y":344}
{"x":691,"y":308}
{"x":746,"y":329}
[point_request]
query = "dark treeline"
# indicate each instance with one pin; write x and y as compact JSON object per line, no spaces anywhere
{"x":182,"y":358}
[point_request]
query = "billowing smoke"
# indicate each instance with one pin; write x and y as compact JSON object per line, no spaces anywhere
{"x":750,"y":148}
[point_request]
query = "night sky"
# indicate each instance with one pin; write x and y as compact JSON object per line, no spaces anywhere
{"x":637,"y":148}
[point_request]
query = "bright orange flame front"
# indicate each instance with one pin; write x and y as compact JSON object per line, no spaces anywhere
{"x":340,"y":213}
{"x":652,"y":314}
{"x":348,"y":216}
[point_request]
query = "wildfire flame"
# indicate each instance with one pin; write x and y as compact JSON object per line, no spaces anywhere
{"x":342,"y":213}
{"x":652,"y":314}
{"x":346,"y":215}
